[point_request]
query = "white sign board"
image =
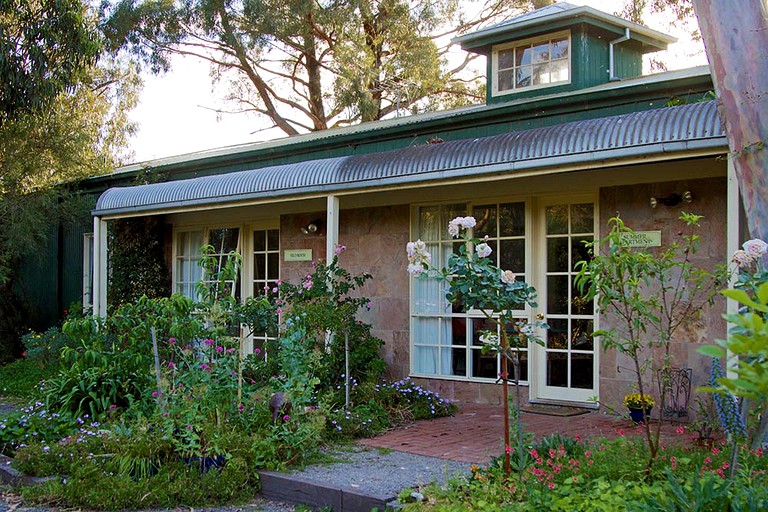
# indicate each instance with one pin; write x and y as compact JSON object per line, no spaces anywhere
{"x":642,"y":239}
{"x":297,"y":255}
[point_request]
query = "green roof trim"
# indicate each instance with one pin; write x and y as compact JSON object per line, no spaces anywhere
{"x":556,"y":17}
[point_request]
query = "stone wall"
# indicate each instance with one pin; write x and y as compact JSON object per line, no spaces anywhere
{"x":375,"y":240}
{"x":617,"y":376}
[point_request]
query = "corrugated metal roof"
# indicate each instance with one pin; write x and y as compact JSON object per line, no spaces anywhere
{"x":673,"y":130}
{"x":442,"y":116}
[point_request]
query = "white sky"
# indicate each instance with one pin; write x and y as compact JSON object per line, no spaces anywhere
{"x":175,"y":113}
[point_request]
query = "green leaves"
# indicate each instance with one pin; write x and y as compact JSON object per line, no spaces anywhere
{"x":45,"y":47}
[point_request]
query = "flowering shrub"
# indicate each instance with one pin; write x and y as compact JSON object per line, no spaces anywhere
{"x":601,"y":475}
{"x":364,"y":420}
{"x":201,"y":392}
{"x":421,"y":403}
{"x":748,"y":338}
{"x":474,"y":282}
{"x":34,"y":424}
{"x":325,"y":301}
{"x":45,"y":348}
{"x":638,"y":401}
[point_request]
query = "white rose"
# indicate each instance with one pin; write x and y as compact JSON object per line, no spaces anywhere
{"x":755,"y":248}
{"x":508,"y":276}
{"x":483,"y":250}
{"x":741,"y":259}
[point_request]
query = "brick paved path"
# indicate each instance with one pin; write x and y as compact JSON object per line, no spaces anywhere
{"x":474,"y":433}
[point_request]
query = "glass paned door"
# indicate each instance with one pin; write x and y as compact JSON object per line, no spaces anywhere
{"x":567,"y":362}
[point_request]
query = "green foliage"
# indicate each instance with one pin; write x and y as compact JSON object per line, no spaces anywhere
{"x":175,"y":484}
{"x":363,"y":420}
{"x":44,"y":349}
{"x":82,"y":132}
{"x":327,"y":301}
{"x":749,"y":340}
{"x":298,"y":359}
{"x":694,"y":494}
{"x":405,"y":395}
{"x":34,"y":424}
{"x":341,"y":62}
{"x":200,"y":394}
{"x":746,"y":342}
{"x":568,"y":474}
{"x":46,"y":47}
{"x":20,"y":378}
{"x":110,"y":367}
{"x":137,"y":260}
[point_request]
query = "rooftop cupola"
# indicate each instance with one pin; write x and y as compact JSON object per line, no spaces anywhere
{"x":558,"y":48}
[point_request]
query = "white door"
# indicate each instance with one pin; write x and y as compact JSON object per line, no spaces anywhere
{"x":566,"y":366}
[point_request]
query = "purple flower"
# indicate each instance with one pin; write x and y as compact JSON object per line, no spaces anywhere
{"x":154,"y":394}
{"x":219,"y":349}
{"x":171,"y":364}
{"x":205,"y":367}
{"x":171,"y":341}
{"x":208,"y":342}
{"x":257,"y":351}
{"x":286,"y":418}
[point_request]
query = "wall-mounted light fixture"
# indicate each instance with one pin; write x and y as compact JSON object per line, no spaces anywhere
{"x":312,"y":228}
{"x":673,"y":200}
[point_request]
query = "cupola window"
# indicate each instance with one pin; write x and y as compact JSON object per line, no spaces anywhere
{"x":532,"y":63}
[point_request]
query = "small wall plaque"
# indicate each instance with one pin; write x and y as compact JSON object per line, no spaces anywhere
{"x":297,"y":255}
{"x":642,"y":239}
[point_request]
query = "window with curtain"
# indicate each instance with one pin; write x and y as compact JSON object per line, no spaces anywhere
{"x":445,"y":341}
{"x":266,"y":272}
{"x":188,"y":244}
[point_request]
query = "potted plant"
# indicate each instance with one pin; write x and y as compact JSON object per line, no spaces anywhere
{"x":639,"y":406}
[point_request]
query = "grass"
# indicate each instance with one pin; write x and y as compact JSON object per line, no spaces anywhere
{"x":19,"y":379}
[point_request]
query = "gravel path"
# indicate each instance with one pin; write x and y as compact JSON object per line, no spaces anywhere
{"x":382,"y":473}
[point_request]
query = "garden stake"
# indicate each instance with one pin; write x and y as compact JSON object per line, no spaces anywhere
{"x":157,"y":365}
{"x":505,"y":399}
{"x":346,"y":368}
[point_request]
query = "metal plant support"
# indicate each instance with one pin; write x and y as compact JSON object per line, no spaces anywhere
{"x":675,"y":388}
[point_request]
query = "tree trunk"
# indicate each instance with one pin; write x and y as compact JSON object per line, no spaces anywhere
{"x":735,"y":34}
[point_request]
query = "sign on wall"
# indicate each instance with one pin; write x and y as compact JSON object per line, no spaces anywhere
{"x":642,"y":239}
{"x":297,"y":255}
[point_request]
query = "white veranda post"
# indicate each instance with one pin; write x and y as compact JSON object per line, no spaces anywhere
{"x":99,"y":292}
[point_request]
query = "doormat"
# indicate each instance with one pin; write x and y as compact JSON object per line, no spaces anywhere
{"x":554,"y":410}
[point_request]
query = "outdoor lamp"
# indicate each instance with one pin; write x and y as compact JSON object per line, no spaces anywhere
{"x":312,"y":227}
{"x":672,"y":200}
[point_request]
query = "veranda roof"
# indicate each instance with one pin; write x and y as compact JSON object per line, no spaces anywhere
{"x":672,"y":131}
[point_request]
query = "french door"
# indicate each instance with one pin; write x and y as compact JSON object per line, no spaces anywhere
{"x":566,"y":366}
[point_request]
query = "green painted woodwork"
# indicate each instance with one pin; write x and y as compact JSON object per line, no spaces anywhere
{"x":37,"y":283}
{"x":589,"y":63}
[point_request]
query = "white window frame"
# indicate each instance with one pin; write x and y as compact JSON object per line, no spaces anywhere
{"x":525,"y":42}
{"x":246,"y":248}
{"x":472,"y":315}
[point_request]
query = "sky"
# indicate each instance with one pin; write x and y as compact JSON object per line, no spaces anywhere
{"x":176,"y":112}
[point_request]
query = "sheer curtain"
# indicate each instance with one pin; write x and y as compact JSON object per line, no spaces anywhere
{"x":188,"y":271}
